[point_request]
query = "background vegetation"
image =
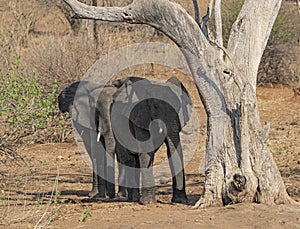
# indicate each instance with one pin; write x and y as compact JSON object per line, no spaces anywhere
{"x":43,"y":50}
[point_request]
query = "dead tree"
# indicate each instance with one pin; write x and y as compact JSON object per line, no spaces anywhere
{"x":239,"y":166}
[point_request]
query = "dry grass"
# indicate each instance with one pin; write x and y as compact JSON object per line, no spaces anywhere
{"x":29,"y":186}
{"x":39,"y":32}
{"x":44,"y":40}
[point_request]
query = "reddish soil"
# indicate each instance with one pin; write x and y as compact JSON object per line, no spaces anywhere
{"x":48,"y":188}
{"x":28,"y":189}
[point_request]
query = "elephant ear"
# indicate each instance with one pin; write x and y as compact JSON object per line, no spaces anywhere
{"x":66,"y":98}
{"x":183,"y":95}
{"x":79,"y":100}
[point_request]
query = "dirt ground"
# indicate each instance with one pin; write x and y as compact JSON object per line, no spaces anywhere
{"x":48,"y":186}
{"x":48,"y":189}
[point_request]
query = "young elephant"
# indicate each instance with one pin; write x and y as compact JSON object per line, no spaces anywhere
{"x":80,"y":100}
{"x":144,"y":115}
{"x":155,"y":113}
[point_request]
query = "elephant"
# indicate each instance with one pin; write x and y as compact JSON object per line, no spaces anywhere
{"x":144,"y":115}
{"x":79,"y":99}
{"x":98,"y":114}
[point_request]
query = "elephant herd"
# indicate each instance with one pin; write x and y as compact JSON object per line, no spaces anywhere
{"x":129,"y":120}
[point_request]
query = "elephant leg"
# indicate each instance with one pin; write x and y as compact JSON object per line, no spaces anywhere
{"x":99,"y":165}
{"x":98,"y":183}
{"x":98,"y":188}
{"x":120,"y":151}
{"x":86,"y":139}
{"x":148,"y":184}
{"x":110,"y":173}
{"x":110,"y":167}
{"x":122,"y":192}
{"x":175,"y":156}
{"x":89,"y":138}
{"x":94,"y":190}
{"x":133,"y":178}
{"x":103,"y":125}
{"x":128,"y":173}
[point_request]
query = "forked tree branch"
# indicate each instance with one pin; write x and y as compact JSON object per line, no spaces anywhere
{"x":249,"y":35}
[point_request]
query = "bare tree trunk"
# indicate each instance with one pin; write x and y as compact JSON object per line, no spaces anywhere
{"x":239,"y":166}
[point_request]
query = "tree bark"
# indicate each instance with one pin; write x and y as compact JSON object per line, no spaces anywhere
{"x":239,"y":165}
{"x":95,"y":33}
{"x":218,"y":22}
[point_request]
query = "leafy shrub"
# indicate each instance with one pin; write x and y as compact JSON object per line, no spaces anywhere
{"x":24,"y":106}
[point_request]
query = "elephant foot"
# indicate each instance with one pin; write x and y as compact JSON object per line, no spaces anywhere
{"x":93,"y":193}
{"x":110,"y":190}
{"x":96,"y":193}
{"x":98,"y":187}
{"x":133,"y":195}
{"x":111,"y":195}
{"x":148,"y":196}
{"x":122,"y":192}
{"x":180,"y":197}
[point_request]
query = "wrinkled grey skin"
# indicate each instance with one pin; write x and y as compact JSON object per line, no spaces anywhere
{"x":90,"y":111}
{"x":80,"y":100}
{"x":139,"y":102}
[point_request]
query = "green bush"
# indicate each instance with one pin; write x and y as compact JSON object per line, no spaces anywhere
{"x":24,"y":106}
